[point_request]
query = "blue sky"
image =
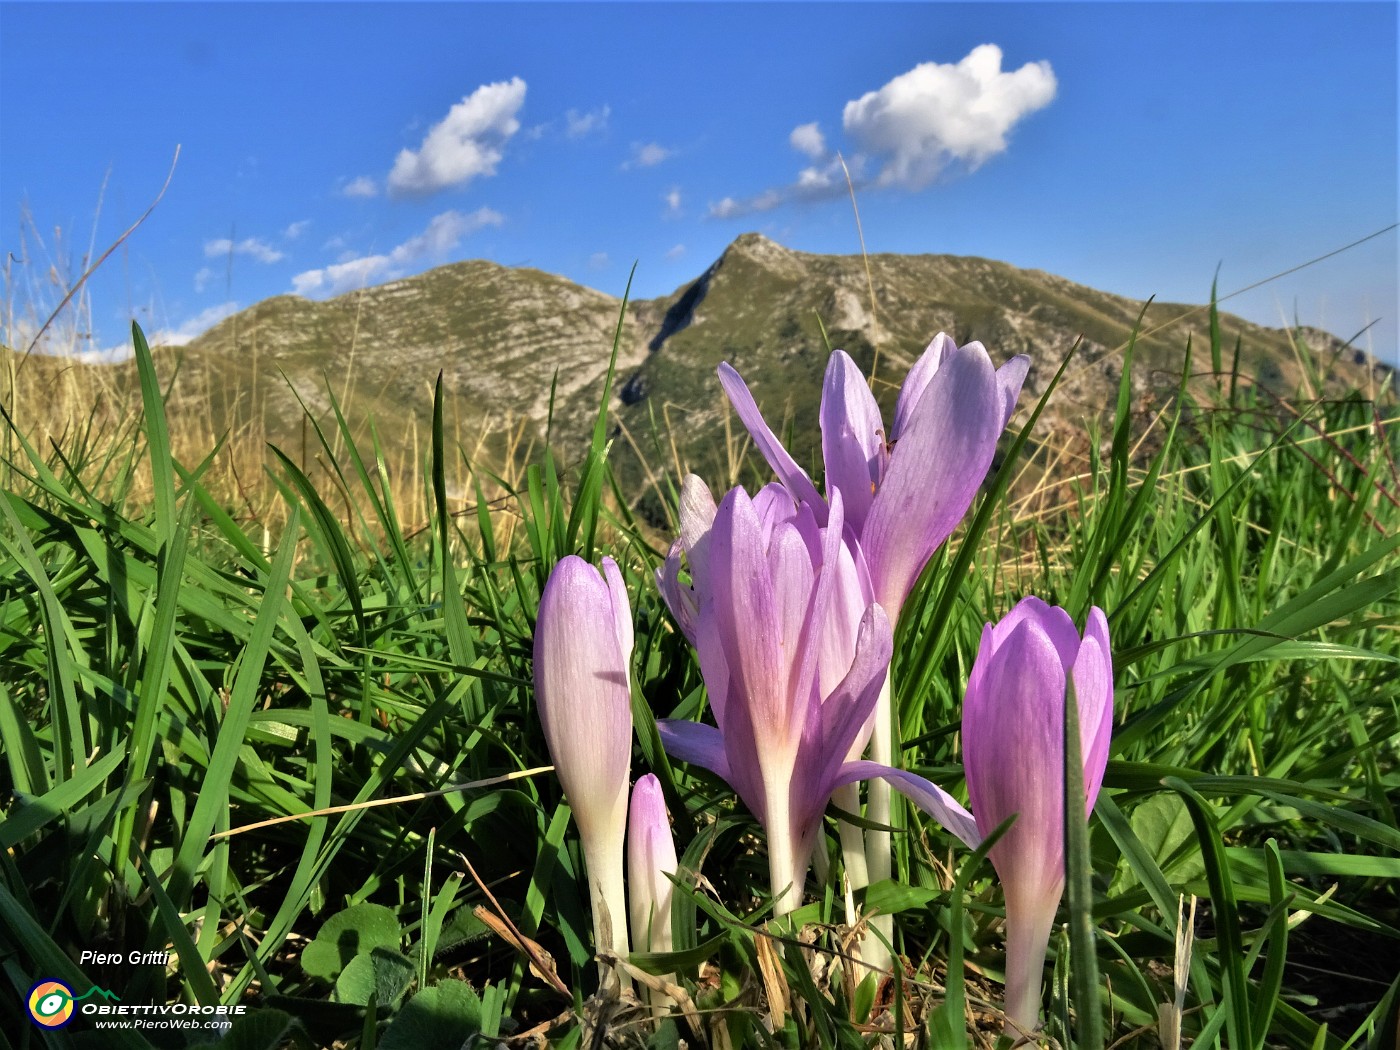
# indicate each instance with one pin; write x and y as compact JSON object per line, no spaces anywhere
{"x":1132,"y":147}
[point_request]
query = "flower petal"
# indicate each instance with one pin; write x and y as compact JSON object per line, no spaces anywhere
{"x":789,"y":473}
{"x":1093,"y":687}
{"x":679,"y":598}
{"x":582,"y":690}
{"x":1013,"y":754}
{"x":846,"y":713}
{"x":621,"y":609}
{"x":853,"y":437}
{"x":1010,"y":377}
{"x":934,"y":472}
{"x":925,"y":794}
{"x":696,"y":743}
{"x":745,"y":610}
{"x":1051,"y":619}
{"x":912,"y":390}
{"x":697,"y":514}
{"x":651,"y":855}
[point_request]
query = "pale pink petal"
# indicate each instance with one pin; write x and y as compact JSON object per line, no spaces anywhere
{"x":583,"y":695}
{"x":745,"y":610}
{"x":679,"y":598}
{"x":925,"y":794}
{"x":621,"y":608}
{"x":651,"y":856}
{"x":853,"y":437}
{"x":934,"y":473}
{"x":696,"y":743}
{"x":1013,"y":755}
{"x":846,"y":713}
{"x":791,"y":475}
{"x":917,"y":381}
{"x":1010,"y":378}
{"x":1093,"y":686}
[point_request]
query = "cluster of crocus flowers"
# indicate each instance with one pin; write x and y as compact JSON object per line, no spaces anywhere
{"x":905,"y":490}
{"x":789,"y":599}
{"x":793,"y":659}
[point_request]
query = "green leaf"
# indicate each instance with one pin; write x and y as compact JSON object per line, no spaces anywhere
{"x":1163,"y":825}
{"x":357,"y":930}
{"x":446,"y":1015}
{"x":380,"y":975}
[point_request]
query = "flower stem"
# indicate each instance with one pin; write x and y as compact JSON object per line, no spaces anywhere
{"x":608,"y":897}
{"x":878,"y":844}
{"x":1028,"y":926}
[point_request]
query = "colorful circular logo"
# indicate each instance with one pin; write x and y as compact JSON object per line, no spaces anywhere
{"x":51,"y":1004}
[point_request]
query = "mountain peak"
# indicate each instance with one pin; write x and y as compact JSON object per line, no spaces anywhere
{"x":757,"y":245}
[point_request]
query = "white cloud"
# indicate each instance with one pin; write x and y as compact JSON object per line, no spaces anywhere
{"x":647,"y":155}
{"x":676,"y":252}
{"x":913,"y":128}
{"x":808,"y":139}
{"x":360,"y":186}
{"x":598,"y":261}
{"x":342,"y":276}
{"x":466,"y":143}
{"x":577,"y":125}
{"x":728,"y":208}
{"x":443,"y":233}
{"x":202,"y":278}
{"x":296,"y":229}
{"x":249,"y":246}
{"x":940,"y":113}
{"x":672,"y":197}
{"x":196,"y":325}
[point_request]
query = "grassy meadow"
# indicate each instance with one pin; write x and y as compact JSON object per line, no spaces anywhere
{"x":292,"y":742}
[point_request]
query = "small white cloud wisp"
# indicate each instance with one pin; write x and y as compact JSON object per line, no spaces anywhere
{"x":360,"y":187}
{"x":442,"y":234}
{"x":580,"y":125}
{"x":648,"y":155}
{"x":252,"y":247}
{"x":808,"y":139}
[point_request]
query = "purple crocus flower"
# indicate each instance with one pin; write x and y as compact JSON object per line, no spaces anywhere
{"x":1013,"y":751}
{"x":583,"y":647}
{"x":766,"y":578}
{"x":651,"y":857}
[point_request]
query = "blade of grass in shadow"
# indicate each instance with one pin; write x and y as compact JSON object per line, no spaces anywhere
{"x":329,"y":536}
{"x":62,"y":654}
{"x":193,"y":966}
{"x":1110,"y":527}
{"x":454,"y":614}
{"x":1274,"y":939}
{"x":1238,"y":1018}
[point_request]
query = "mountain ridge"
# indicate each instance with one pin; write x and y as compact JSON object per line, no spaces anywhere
{"x":523,"y":353}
